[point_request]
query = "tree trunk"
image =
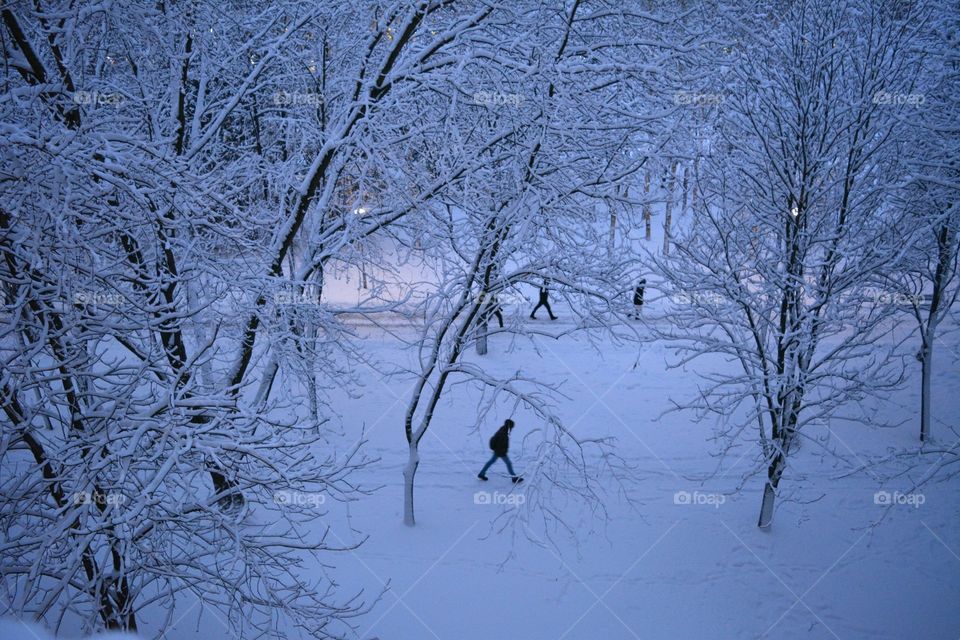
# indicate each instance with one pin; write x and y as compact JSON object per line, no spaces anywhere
{"x":696,"y":182}
{"x":482,"y":338}
{"x":612,"y":238}
{"x":942,"y":276}
{"x":312,"y":377}
{"x":686,"y":189}
{"x":766,"y":507}
{"x":409,"y":472}
{"x":774,"y":473}
{"x":668,"y":210}
{"x":648,"y":231}
{"x":926,"y":360}
{"x":115,"y":611}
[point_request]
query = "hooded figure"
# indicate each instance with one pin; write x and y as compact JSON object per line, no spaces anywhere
{"x":500,"y":444}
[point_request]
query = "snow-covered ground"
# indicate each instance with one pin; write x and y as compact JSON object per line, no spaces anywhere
{"x":684,"y":560}
{"x":677,"y":554}
{"x":11,"y":629}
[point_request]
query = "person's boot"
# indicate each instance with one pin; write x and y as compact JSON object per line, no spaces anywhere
{"x":482,"y":477}
{"x":517,"y":479}
{"x":533,"y":317}
{"x":553,"y":317}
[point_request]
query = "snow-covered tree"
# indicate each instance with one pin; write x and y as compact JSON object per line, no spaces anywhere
{"x":928,"y":282}
{"x":773,"y":272}
{"x":159,"y":213}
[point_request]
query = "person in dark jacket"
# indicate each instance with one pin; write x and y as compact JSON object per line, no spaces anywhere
{"x":544,"y":301}
{"x":500,"y":444}
{"x":638,"y":298}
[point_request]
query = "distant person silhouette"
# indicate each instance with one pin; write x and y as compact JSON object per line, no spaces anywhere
{"x":544,"y":301}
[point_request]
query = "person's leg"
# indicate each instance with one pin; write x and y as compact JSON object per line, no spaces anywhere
{"x":549,"y":310}
{"x":490,"y":462}
{"x":533,"y":314}
{"x":509,"y":466}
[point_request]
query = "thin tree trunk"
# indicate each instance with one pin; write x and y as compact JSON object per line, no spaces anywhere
{"x":686,"y":188}
{"x":696,"y":182}
{"x":409,"y":473}
{"x":611,"y":240}
{"x":927,"y":370}
{"x":944,"y":273}
{"x":482,"y":338}
{"x":311,"y":351}
{"x":668,"y":210}
{"x":648,"y":230}
{"x":266,"y":381}
{"x":774,"y":473}
{"x":782,"y":438}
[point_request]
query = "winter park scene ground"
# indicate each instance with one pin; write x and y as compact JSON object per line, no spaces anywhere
{"x":443,"y":319}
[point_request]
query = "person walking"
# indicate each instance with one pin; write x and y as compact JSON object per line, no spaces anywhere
{"x":500,"y":444}
{"x":638,"y":298}
{"x":544,"y":301}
